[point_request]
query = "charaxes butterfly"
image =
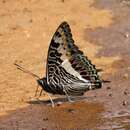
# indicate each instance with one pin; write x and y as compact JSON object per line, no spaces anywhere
{"x":68,"y":71}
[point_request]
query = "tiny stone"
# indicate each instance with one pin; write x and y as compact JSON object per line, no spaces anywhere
{"x":110,"y":95}
{"x":59,"y":103}
{"x":108,"y":88}
{"x":126,"y":35}
{"x":126,"y":92}
{"x":124,"y":103}
{"x":70,"y":110}
{"x":45,"y":119}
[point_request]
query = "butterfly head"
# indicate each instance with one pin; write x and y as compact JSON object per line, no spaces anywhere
{"x":42,"y":82}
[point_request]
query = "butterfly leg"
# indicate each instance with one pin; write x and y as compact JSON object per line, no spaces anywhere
{"x":40,"y":92}
{"x":48,"y":96}
{"x":52,"y":103}
{"x":68,"y":97}
{"x":36,"y":90}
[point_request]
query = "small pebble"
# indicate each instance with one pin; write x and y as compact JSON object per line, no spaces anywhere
{"x":110,"y":95}
{"x":126,"y":92}
{"x":59,"y":103}
{"x":126,"y":35}
{"x":108,"y":88}
{"x":70,"y":110}
{"x":45,"y":119}
{"x":124,"y":103}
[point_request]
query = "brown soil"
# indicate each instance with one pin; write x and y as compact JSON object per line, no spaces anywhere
{"x":101,"y":29}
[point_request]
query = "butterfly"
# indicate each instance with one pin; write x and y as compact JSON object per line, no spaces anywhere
{"x":68,"y":71}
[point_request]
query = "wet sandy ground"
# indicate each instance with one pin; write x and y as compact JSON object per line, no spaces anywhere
{"x":100,"y":28}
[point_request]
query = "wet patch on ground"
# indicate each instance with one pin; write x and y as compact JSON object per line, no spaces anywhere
{"x":115,"y":39}
{"x":78,"y":115}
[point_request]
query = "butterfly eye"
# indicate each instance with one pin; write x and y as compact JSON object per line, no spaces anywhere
{"x":40,"y":82}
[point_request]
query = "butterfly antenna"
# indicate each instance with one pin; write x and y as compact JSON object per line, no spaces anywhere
{"x":26,"y":71}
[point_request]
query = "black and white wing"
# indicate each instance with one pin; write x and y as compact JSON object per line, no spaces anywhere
{"x":67,"y":67}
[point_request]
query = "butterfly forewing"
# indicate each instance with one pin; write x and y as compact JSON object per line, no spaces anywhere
{"x":67,"y":66}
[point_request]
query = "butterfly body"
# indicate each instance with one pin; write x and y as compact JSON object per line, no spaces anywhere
{"x":68,"y":70}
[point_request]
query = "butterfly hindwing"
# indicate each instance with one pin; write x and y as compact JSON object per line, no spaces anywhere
{"x":66,"y":64}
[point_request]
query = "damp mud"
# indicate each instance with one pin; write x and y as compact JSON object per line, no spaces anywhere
{"x":101,"y":29}
{"x":66,"y":116}
{"x":80,"y":115}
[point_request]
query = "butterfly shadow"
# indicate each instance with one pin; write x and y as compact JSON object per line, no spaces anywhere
{"x":58,"y":100}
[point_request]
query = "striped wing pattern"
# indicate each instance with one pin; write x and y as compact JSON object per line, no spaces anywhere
{"x":67,"y":67}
